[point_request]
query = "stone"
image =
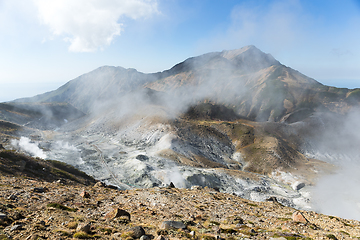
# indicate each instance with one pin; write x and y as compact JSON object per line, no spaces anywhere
{"x":272,"y":199}
{"x":2,"y":216}
{"x":99,"y":185}
{"x":172,"y":225}
{"x":117,"y":213}
{"x":84,"y":227}
{"x":39,"y":189}
{"x":142,"y":157}
{"x":85,"y":194}
{"x":136,"y":232}
{"x":299,"y":217}
{"x":145,"y":237}
{"x":16,"y":227}
{"x":61,"y":181}
{"x":160,"y":237}
{"x":196,"y":187}
{"x":298,"y":185}
{"x":116,"y":236}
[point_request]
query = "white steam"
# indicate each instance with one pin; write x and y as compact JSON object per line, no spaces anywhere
{"x":26,"y":145}
{"x":337,"y":193}
{"x":88,"y":25}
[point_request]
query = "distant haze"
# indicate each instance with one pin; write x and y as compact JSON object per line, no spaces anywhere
{"x":58,"y":40}
{"x":11,"y":91}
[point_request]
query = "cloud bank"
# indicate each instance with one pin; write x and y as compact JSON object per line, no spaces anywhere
{"x":91,"y":24}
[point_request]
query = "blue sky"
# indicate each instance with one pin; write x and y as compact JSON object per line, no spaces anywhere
{"x":45,"y":43}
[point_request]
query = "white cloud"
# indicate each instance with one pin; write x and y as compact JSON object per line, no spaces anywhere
{"x":91,"y":24}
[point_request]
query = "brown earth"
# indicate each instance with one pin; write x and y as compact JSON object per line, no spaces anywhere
{"x":41,"y":208}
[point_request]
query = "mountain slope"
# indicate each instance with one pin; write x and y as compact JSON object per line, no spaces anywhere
{"x":252,"y":83}
{"x":238,"y":121}
{"x":101,"y":85}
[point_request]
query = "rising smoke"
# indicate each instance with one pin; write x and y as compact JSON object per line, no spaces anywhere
{"x":26,"y":145}
{"x":338,"y":143}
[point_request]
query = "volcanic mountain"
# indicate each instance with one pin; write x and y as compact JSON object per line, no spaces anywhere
{"x":238,"y":121}
{"x":252,"y":83}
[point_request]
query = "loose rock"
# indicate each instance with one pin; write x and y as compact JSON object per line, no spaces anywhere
{"x":84,"y":227}
{"x":99,"y":184}
{"x":299,"y":217}
{"x":145,"y":237}
{"x":117,"y":213}
{"x":85,"y":194}
{"x":160,"y":237}
{"x":16,"y":227}
{"x":136,"y":232}
{"x":172,"y":224}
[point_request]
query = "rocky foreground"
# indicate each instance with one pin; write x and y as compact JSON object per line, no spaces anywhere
{"x":34,"y":209}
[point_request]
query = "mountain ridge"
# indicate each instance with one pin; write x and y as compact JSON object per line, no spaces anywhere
{"x":251,"y":82}
{"x":236,"y":120}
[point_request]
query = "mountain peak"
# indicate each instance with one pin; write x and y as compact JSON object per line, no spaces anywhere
{"x":250,"y":57}
{"x":231,"y":54}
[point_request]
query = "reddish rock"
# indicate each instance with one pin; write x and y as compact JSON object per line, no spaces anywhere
{"x":85,"y":194}
{"x":299,"y":217}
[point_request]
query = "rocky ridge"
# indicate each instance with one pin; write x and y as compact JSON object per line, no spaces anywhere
{"x":31,"y":208}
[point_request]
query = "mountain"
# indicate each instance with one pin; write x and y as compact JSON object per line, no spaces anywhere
{"x":238,"y":121}
{"x":250,"y":82}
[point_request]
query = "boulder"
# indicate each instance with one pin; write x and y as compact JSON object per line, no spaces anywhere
{"x":298,"y":185}
{"x":145,"y":237}
{"x":85,"y":194}
{"x":84,"y":227}
{"x":172,"y":225}
{"x":299,"y":217}
{"x":99,"y":185}
{"x":117,"y":213}
{"x":135,"y":232}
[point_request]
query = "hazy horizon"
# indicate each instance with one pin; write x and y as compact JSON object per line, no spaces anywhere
{"x":50,"y":42}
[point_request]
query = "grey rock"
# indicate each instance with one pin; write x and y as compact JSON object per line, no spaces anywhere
{"x":298,"y":185}
{"x":172,"y":224}
{"x":16,"y":227}
{"x":136,"y":232}
{"x":142,"y":157}
{"x":83,"y":227}
{"x":2,"y":216}
{"x":171,"y":185}
{"x":145,"y":237}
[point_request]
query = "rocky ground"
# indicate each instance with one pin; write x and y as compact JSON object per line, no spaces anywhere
{"x":31,"y":208}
